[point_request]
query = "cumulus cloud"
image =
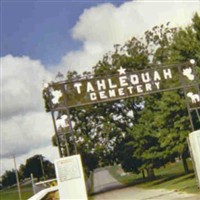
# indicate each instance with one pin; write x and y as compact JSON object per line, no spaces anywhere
{"x":22,"y":82}
{"x":100,"y":27}
{"x":23,"y":133}
{"x":25,"y":125}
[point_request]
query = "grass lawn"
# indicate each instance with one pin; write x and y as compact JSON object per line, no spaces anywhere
{"x":171,"y":177}
{"x":12,"y":193}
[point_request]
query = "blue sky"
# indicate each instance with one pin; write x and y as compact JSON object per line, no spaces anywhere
{"x":41,"y":29}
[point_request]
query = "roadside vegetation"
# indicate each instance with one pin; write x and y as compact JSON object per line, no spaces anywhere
{"x":37,"y":165}
{"x":12,"y":193}
{"x":171,"y":177}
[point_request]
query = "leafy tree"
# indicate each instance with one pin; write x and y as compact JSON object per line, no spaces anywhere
{"x":171,"y":118}
{"x":174,"y":126}
{"x":9,"y":178}
{"x":49,"y":169}
{"x":186,"y":43}
{"x":185,"y":46}
{"x":22,"y":172}
{"x":39,"y":167}
{"x":144,"y":140}
{"x":33,"y":165}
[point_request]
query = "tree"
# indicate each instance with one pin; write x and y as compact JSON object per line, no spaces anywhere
{"x":49,"y":169}
{"x":186,"y":43}
{"x":9,"y":178}
{"x":174,"y":126}
{"x":185,"y":46}
{"x":39,"y":167}
{"x":23,"y":172}
{"x":33,"y":165}
{"x":172,"y":119}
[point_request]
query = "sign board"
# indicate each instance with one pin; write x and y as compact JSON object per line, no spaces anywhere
{"x":70,"y":178}
{"x":194,"y":145}
{"x":123,"y":84}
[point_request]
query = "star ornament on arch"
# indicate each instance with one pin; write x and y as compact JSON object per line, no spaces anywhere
{"x":121,"y":70}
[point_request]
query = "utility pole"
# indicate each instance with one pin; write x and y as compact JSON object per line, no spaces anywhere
{"x":42,"y":167}
{"x":17,"y":177}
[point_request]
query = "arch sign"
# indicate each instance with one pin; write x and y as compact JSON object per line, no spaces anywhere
{"x":125,"y":84}
{"x":62,"y":95}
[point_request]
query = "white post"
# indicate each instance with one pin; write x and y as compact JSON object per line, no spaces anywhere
{"x":194,"y":146}
{"x":33,"y":184}
{"x":42,"y":167}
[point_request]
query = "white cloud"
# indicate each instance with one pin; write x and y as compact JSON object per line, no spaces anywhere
{"x":23,"y":133}
{"x":25,"y":124}
{"x":100,"y":27}
{"x":22,"y":82}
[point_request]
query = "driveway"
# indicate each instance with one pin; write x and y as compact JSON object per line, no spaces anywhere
{"x":106,"y":187}
{"x":103,"y":181}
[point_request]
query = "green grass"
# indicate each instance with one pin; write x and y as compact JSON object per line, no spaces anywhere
{"x":171,"y":177}
{"x":12,"y":193}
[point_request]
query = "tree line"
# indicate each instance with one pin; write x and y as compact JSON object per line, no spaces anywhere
{"x":140,"y":133}
{"x":37,"y":165}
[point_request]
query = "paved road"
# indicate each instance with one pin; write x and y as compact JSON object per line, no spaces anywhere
{"x":103,"y":181}
{"x":104,"y":184}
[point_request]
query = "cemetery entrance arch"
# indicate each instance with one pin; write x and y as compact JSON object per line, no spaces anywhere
{"x":63,"y":95}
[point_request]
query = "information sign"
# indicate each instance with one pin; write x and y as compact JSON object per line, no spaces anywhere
{"x":70,"y":178}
